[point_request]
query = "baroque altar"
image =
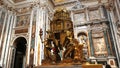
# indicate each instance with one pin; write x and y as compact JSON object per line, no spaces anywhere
{"x":60,"y":46}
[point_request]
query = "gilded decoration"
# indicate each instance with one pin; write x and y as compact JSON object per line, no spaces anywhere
{"x":60,"y":44}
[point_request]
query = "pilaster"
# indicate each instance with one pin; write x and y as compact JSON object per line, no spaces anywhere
{"x":113,"y":28}
{"x":107,"y":42}
{"x":91,"y":43}
{"x":5,"y":38}
{"x":30,"y":35}
{"x":102,"y":11}
{"x":9,"y":38}
{"x":117,"y":10}
{"x":87,"y":14}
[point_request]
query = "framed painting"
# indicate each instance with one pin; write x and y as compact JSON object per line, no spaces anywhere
{"x":99,"y":46}
{"x":23,"y":20}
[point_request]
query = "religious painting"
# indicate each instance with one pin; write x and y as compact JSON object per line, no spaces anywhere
{"x":23,"y":20}
{"x":79,"y":18}
{"x":99,"y":46}
{"x":94,"y":15}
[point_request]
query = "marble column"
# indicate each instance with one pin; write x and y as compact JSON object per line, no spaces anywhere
{"x":2,"y":33}
{"x":118,"y":3}
{"x":30,"y":35}
{"x":43,"y":23}
{"x":116,"y":42}
{"x":0,"y":12}
{"x":91,"y":43}
{"x":8,"y":64}
{"x":6,"y":38}
{"x":36,"y":37}
{"x":107,"y":42}
{"x":117,"y":10}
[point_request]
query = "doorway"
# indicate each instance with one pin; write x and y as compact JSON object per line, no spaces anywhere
{"x":19,"y":52}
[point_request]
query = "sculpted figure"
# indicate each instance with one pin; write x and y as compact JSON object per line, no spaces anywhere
{"x":47,"y":49}
{"x":68,"y":46}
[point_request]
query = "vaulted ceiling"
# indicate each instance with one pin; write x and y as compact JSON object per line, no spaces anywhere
{"x":55,"y":3}
{"x":68,"y":3}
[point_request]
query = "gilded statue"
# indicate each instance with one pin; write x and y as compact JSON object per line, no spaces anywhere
{"x":51,"y":50}
{"x":68,"y":46}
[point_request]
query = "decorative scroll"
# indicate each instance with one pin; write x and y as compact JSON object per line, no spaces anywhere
{"x":94,"y":15}
{"x":23,"y":20}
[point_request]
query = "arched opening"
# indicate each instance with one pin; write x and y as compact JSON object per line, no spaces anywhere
{"x":19,"y":52}
{"x":83,"y":39}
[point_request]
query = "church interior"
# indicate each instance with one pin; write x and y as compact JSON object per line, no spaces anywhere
{"x":59,"y":33}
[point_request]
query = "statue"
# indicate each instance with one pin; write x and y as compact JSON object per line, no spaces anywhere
{"x":68,"y":47}
{"x":78,"y":54}
{"x":51,"y":50}
{"x":47,"y":49}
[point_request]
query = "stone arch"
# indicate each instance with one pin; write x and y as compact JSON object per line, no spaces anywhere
{"x":19,"y":52}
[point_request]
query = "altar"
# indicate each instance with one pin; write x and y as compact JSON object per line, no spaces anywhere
{"x":92,"y":66}
{"x":60,"y":46}
{"x":71,"y":66}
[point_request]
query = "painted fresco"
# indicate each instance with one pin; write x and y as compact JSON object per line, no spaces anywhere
{"x":23,"y":20}
{"x":99,"y":46}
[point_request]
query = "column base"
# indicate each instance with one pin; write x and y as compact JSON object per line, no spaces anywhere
{"x":93,"y":60}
